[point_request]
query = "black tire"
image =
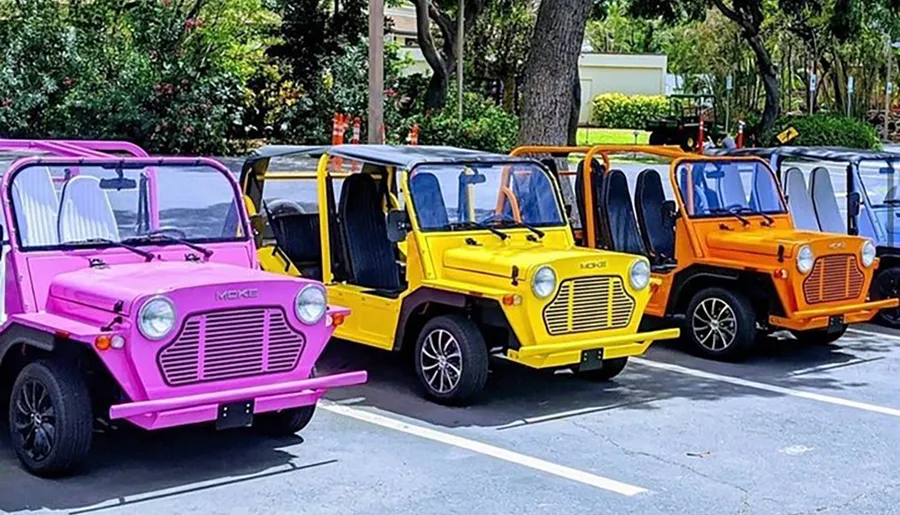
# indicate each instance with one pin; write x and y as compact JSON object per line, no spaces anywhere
{"x":611,"y":368}
{"x":742,"y":328}
{"x":819,"y":336}
{"x":465,"y":373}
{"x":688,"y":141}
{"x":658,"y":138}
{"x":50,"y":418}
{"x":886,"y":285}
{"x":284,"y":423}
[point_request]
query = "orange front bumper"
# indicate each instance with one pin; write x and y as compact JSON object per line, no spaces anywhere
{"x":818,"y":318}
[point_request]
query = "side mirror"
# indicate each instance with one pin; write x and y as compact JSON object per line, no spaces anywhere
{"x":854,"y":202}
{"x":397,"y":225}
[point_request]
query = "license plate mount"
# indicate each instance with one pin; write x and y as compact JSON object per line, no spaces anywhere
{"x":835,"y":323}
{"x":591,"y":359}
{"x":235,"y":414}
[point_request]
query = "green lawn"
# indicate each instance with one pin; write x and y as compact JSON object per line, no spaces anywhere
{"x":592,"y":136}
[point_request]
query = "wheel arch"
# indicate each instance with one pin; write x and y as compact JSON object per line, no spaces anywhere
{"x":426,"y":303}
{"x":757,"y":286}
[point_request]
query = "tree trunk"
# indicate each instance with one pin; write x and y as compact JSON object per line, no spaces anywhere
{"x":769,"y":76}
{"x":551,"y":72}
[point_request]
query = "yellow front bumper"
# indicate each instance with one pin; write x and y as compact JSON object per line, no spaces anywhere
{"x":818,"y":318}
{"x":563,"y":354}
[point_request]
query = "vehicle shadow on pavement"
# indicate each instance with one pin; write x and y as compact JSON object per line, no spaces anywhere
{"x":517,"y":395}
{"x":130,"y":462}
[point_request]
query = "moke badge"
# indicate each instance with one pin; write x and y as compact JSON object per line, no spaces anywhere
{"x":836,"y":245}
{"x":236,"y":294}
{"x":591,"y":265}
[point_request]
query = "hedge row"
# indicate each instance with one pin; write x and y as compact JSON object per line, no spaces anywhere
{"x":618,"y":111}
{"x":825,"y":130}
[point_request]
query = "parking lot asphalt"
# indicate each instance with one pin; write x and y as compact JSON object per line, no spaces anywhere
{"x":796,"y":429}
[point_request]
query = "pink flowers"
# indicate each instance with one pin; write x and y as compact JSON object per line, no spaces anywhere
{"x":68,"y":81}
{"x":192,"y":23}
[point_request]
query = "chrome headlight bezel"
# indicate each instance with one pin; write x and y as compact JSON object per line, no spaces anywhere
{"x":311,"y":295}
{"x":143,"y":324}
{"x":868,"y":252}
{"x":639,"y":274}
{"x":805,"y":259}
{"x":542,"y":284}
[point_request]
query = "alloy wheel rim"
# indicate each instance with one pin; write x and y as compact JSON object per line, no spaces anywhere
{"x":35,"y":420}
{"x":714,"y":324}
{"x":441,"y":361}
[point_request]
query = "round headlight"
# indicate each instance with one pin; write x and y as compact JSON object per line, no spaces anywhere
{"x":805,"y":259}
{"x":156,"y":318}
{"x":544,"y":282}
{"x":639,"y":274}
{"x":868,"y":253}
{"x":311,"y":305}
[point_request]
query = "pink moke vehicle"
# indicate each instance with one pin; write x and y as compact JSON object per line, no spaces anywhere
{"x":131,"y":291}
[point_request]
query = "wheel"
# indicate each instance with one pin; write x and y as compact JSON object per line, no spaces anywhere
{"x":819,"y":336}
{"x":657,"y":138}
{"x":451,"y":360}
{"x":886,"y":285}
{"x":688,"y":142}
{"x":284,"y":423}
{"x":287,"y":422}
{"x":50,"y":418}
{"x":611,"y":368}
{"x":721,"y":324}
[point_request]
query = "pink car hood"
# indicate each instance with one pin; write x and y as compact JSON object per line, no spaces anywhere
{"x":103,"y":288}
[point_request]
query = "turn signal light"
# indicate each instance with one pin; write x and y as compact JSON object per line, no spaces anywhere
{"x":337,"y":319}
{"x":103,"y":342}
{"x":512,"y":300}
{"x":781,"y":273}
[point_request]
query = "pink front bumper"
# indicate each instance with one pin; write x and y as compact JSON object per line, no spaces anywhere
{"x":192,"y":409}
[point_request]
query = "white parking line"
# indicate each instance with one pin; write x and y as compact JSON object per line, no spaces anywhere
{"x":488,"y":450}
{"x":873,"y":334}
{"x":768,"y":387}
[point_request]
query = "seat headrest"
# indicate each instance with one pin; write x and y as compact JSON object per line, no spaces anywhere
{"x":825,"y":203}
{"x":85,"y":211}
{"x":430,"y":208}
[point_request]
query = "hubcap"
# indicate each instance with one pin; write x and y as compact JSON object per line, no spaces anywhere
{"x":441,"y":361}
{"x":35,"y":420}
{"x":714,"y":324}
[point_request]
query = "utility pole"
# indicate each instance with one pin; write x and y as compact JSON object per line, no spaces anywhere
{"x":376,"y":71}
{"x":460,"y":48}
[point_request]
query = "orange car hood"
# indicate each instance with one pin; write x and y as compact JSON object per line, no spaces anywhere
{"x":765,"y":241}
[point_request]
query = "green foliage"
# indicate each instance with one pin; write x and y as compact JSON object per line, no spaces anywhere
{"x":825,"y":130}
{"x":618,"y":111}
{"x":165,"y":75}
{"x":484,"y":126}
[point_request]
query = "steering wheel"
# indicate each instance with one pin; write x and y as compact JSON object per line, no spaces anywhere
{"x":735,"y":207}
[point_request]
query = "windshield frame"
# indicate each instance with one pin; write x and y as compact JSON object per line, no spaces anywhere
{"x":10,"y":221}
{"x":690,"y":159}
{"x":484,"y":163}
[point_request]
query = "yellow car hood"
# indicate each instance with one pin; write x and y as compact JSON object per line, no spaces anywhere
{"x":499,"y":261}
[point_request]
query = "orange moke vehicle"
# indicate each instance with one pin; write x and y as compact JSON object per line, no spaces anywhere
{"x":730,"y":264}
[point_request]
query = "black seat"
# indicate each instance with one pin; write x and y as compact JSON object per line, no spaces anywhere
{"x":297,"y":234}
{"x":364,"y":235}
{"x":655,"y":220}
{"x":615,"y":205}
{"x":597,"y":178}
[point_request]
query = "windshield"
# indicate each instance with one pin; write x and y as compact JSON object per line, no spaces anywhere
{"x":65,"y":205}
{"x":716,"y":188}
{"x":455,"y":196}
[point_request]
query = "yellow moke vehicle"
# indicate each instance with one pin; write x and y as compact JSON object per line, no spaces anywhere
{"x":454,"y":254}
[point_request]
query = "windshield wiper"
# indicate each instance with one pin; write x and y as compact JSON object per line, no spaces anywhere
{"x":159,"y":235}
{"x":104,"y":241}
{"x":748,"y":211}
{"x":478,"y":225}
{"x":732,"y":212}
{"x":537,"y":232}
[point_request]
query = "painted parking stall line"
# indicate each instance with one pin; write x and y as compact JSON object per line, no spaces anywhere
{"x":538,"y":464}
{"x":873,"y":334}
{"x":874,"y":408}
